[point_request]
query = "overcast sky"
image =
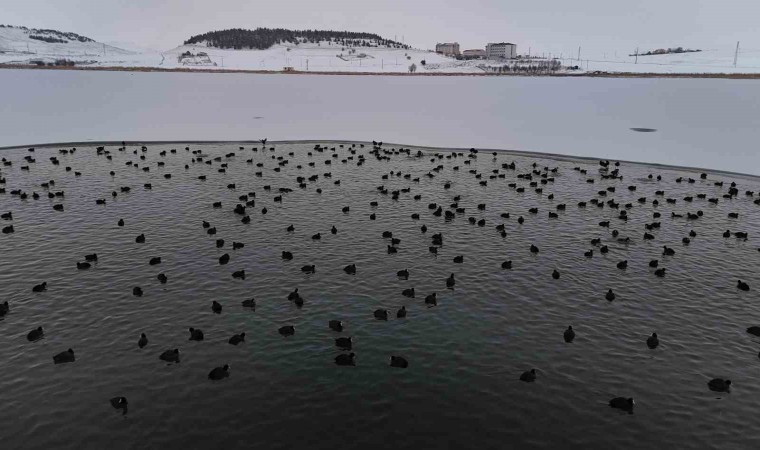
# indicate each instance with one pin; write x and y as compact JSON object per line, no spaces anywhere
{"x":556,"y":26}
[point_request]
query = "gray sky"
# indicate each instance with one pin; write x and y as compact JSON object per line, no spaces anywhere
{"x":556,"y":26}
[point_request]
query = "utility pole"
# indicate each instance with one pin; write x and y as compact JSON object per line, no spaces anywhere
{"x":637,"y":56}
{"x":104,"y":49}
{"x":307,"y":64}
{"x":579,"y":53}
{"x":736,"y":55}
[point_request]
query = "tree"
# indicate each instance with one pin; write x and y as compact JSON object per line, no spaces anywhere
{"x":422,"y":62}
{"x":412,"y":68}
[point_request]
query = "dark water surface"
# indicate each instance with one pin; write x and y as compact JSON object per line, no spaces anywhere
{"x":465,"y":355}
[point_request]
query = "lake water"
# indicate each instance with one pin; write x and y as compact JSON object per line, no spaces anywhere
{"x":461,"y":389}
{"x":701,"y":122}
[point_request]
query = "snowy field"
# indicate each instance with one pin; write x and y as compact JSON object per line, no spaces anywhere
{"x":710,"y":123}
{"x":17,"y":48}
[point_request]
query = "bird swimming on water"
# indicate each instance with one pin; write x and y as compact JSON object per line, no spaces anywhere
{"x":653,"y":341}
{"x":528,"y":376}
{"x":218,"y":373}
{"x":64,"y":357}
{"x":569,"y":334}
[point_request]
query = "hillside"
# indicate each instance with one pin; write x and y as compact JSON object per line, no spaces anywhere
{"x":22,"y":45}
{"x":264,"y":38}
{"x":326,"y":51}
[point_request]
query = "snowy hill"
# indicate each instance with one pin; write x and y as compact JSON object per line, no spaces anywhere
{"x":324,"y":51}
{"x":21,"y":45}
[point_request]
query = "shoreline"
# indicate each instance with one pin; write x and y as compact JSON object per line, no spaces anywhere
{"x":524,"y":153}
{"x":594,"y":74}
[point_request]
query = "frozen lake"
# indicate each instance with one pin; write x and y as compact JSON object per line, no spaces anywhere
{"x":699,"y":122}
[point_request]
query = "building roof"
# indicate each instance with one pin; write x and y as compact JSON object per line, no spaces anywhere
{"x":501,"y":43}
{"x":448,"y":43}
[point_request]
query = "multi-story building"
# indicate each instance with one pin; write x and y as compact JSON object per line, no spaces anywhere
{"x":501,"y":50}
{"x":448,"y":49}
{"x":474,"y":53}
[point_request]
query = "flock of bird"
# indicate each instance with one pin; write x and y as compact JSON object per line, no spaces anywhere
{"x":533,"y":177}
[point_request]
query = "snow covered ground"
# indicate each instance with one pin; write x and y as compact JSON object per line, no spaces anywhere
{"x":17,"y":48}
{"x":709,"y":123}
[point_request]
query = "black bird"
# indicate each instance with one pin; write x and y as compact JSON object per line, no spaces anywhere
{"x":334,"y":230}
{"x":287,"y":256}
{"x":533,"y":249}
{"x":652,"y":341}
{"x":742,"y":286}
{"x":91,"y":258}
{"x":140,"y":239}
{"x":216,"y":307}
{"x":589,"y":254}
{"x":555,"y":274}
{"x":381,"y":314}
{"x":239,"y":274}
{"x":622,"y":264}
{"x":345,"y":343}
{"x":335,"y":325}
{"x":399,"y":361}
{"x":654,"y":263}
{"x":431,"y":299}
{"x":719,"y":385}
{"x":40,"y":287}
{"x":137,"y":291}
{"x":346,"y":359}
{"x":308,"y":268}
{"x":120,"y":222}
{"x":218,"y":373}
{"x":528,"y":376}
{"x":162,"y":278}
{"x":623,"y":403}
{"x":569,"y":334}
{"x":450,"y":281}
{"x":170,"y":356}
{"x":317,"y":236}
{"x":403,"y":273}
{"x":64,"y":357}
{"x":506,"y":264}
{"x":294,"y":295}
{"x":660,"y":272}
{"x":668,"y":251}
{"x":143,"y":341}
{"x":401,"y":313}
{"x":287,"y":330}
{"x":224,"y":259}
{"x":350,"y":269}
{"x":196,"y":334}
{"x":249,"y":303}
{"x":119,"y":403}
{"x":755,"y":330}
{"x":237,"y":245}
{"x":610,"y":296}
{"x":155,"y":260}
{"x":83,"y":266}
{"x":291,"y":228}
{"x":237,"y":338}
{"x":459,"y":259}
{"x":409,"y":292}
{"x":603,"y":249}
{"x":34,"y":335}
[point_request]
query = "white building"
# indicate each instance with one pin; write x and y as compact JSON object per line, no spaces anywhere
{"x":501,"y":50}
{"x":448,"y":49}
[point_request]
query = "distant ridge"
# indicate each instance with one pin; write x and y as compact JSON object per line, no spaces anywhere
{"x":264,"y":38}
{"x":51,"y":36}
